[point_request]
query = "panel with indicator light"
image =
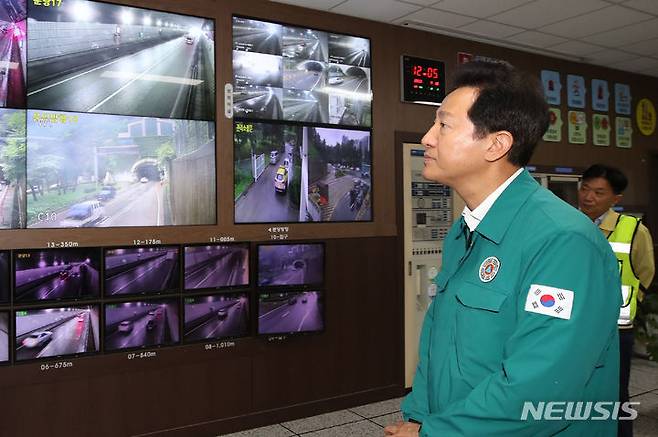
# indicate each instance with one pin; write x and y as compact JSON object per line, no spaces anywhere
{"x":423,"y":81}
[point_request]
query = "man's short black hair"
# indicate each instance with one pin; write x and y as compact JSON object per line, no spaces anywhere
{"x":508,"y":99}
{"x":617,"y":180}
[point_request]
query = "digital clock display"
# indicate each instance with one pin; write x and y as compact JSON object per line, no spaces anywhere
{"x":423,"y":80}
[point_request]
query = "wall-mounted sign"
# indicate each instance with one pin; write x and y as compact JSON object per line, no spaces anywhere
{"x":645,"y":116}
{"x":423,"y":80}
{"x":600,"y":95}
{"x":624,"y":132}
{"x":552,"y":86}
{"x":576,"y":91}
{"x":463,"y":57}
{"x":600,"y":130}
{"x":577,"y":127}
{"x":622,"y":99}
{"x":554,"y":131}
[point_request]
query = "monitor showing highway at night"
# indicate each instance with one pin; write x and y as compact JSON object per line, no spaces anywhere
{"x":141,"y":324}
{"x":88,"y":56}
{"x":216,"y":317}
{"x":290,"y":173}
{"x":290,"y":312}
{"x":56,"y":332}
{"x":298,"y":74}
{"x":290,"y":264}
{"x":53,"y":274}
{"x":216,"y":266}
{"x":141,"y":270}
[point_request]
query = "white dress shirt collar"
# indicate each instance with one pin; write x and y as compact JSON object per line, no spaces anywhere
{"x":473,"y":218}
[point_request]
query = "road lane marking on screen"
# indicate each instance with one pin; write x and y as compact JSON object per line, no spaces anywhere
{"x":151,"y":78}
{"x":80,"y":74}
{"x":143,"y":73}
{"x":299,"y":328}
{"x":212,"y":272}
{"x":159,"y":202}
{"x":140,"y":276}
{"x":9,"y":65}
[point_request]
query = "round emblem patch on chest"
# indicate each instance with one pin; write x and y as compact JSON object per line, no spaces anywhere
{"x":489,"y":269}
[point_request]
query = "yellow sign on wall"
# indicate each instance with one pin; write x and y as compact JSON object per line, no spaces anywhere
{"x":645,"y":116}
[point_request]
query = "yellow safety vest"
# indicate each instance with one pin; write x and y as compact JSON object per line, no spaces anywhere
{"x":621,"y":241}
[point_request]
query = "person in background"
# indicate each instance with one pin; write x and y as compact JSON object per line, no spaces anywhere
{"x":528,"y":293}
{"x":602,"y":188}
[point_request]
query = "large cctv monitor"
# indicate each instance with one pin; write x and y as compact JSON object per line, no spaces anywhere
{"x":56,"y":332}
{"x":133,"y":171}
{"x":287,"y":173}
{"x":292,"y":73}
{"x":216,"y":317}
{"x":56,"y":274}
{"x":103,"y":58}
{"x":293,"y":312}
{"x":290,"y":265}
{"x":216,"y":266}
{"x":141,"y":324}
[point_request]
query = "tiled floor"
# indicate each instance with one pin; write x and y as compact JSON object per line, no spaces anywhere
{"x":369,"y":420}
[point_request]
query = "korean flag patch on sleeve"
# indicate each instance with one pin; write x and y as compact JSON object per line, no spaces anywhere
{"x":550,"y":301}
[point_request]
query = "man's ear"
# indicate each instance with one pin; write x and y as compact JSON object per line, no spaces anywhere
{"x":617,"y":199}
{"x":499,"y":146}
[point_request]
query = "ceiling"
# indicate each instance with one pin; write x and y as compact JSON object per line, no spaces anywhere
{"x":620,"y":34}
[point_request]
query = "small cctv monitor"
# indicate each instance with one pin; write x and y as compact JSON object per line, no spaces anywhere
{"x":141,"y":270}
{"x":292,"y":312}
{"x":281,"y":265}
{"x":56,"y":274}
{"x":216,"y":317}
{"x":216,"y":266}
{"x":141,"y":324}
{"x":57,"y":332}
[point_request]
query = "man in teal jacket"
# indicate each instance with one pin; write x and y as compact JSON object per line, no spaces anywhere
{"x":528,"y":294}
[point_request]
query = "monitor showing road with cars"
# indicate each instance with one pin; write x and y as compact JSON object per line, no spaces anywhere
{"x":290,"y":173}
{"x":54,"y":274}
{"x":56,"y":332}
{"x":140,"y":324}
{"x":216,"y":316}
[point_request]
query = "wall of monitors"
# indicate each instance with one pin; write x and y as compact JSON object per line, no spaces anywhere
{"x":107,"y":116}
{"x":84,"y":301}
{"x":302,"y":128}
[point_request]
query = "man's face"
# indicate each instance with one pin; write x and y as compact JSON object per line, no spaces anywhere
{"x":595,"y":197}
{"x":451,"y":151}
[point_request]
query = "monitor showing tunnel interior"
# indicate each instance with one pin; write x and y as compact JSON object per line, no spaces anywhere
{"x":141,"y":324}
{"x":290,"y":73}
{"x":290,"y":264}
{"x":216,"y":266}
{"x":141,"y":270}
{"x":56,"y":274}
{"x":57,"y":332}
